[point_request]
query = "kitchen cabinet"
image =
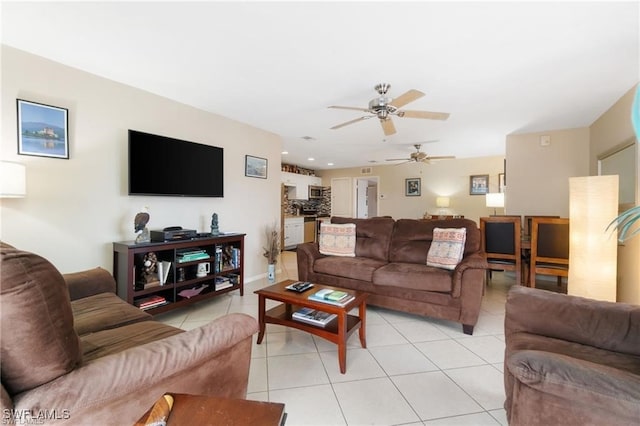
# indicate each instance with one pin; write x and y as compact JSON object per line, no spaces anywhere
{"x":309,"y":229}
{"x":297,"y":185}
{"x":293,"y":231}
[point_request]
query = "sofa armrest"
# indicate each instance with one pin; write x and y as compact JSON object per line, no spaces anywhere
{"x":477,"y":260}
{"x":605,"y":325}
{"x":90,"y":282}
{"x":211,"y":360}
{"x":594,"y":385}
{"x":307,"y":254}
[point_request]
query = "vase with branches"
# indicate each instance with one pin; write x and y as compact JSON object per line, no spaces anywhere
{"x":271,"y":250}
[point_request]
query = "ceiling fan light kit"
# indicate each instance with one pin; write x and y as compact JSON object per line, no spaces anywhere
{"x":384,"y":107}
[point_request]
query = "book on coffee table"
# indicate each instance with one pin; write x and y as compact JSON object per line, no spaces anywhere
{"x":312,"y":316}
{"x":332,"y":297}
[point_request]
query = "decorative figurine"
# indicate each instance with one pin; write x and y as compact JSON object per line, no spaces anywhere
{"x":140,"y":226}
{"x":149,"y":267}
{"x":214,"y":224}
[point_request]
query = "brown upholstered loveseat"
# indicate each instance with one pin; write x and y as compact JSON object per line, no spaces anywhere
{"x":390,"y":265}
{"x":570,"y":360}
{"x":72,"y":352}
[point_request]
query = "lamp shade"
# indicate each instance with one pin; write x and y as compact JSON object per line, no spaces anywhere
{"x":12,"y":180}
{"x":495,"y":199}
{"x":593,"y":203}
{"x":442,"y":202}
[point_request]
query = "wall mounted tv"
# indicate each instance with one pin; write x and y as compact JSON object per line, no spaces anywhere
{"x":159,"y":165}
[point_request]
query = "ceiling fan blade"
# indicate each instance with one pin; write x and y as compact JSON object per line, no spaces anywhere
{"x":387,"y":126}
{"x":350,"y":122}
{"x":399,"y":159}
{"x":351,"y":108}
{"x":406,"y":97}
{"x":442,"y":157}
{"x":424,"y":114}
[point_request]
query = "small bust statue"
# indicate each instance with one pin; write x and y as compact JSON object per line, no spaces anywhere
{"x":140,"y":227}
{"x":214,"y":224}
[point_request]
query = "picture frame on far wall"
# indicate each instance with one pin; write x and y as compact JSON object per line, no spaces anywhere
{"x":478,"y":184}
{"x":255,"y":167}
{"x":43,"y":130}
{"x":412,"y":187}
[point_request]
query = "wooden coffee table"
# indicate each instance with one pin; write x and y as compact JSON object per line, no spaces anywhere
{"x":337,"y":331}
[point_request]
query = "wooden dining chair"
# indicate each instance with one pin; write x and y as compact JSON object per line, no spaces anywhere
{"x":501,"y":243}
{"x":527,"y":224}
{"x":549,"y":248}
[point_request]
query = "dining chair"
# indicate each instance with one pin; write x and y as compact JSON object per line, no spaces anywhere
{"x":501,"y":243}
{"x":549,"y":248}
{"x":527,"y":224}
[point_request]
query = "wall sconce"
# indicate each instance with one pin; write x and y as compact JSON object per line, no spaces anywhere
{"x":13,"y":182}
{"x":495,"y":200}
{"x":593,"y":252}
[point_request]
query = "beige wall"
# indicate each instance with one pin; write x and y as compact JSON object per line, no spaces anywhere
{"x":76,"y":208}
{"x":442,"y":178}
{"x":538,"y":176}
{"x":610,"y":130}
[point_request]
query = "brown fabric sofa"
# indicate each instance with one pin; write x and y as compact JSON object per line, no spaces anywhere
{"x":72,"y":352}
{"x":570,"y":360}
{"x":390,"y":265}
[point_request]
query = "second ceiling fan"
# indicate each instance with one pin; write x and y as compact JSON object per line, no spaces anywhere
{"x":420,"y":156}
{"x":384,"y":107}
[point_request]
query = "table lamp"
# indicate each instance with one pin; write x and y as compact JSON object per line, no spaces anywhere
{"x":442,"y":203}
{"x":12,"y":180}
{"x":495,"y":200}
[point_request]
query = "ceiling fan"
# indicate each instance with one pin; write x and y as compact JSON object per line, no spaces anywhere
{"x":383,"y":108}
{"x":420,"y":156}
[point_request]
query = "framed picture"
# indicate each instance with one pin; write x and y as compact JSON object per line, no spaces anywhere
{"x":255,"y":167}
{"x":501,"y":182}
{"x":43,"y":130}
{"x":478,"y":184}
{"x":412,"y":187}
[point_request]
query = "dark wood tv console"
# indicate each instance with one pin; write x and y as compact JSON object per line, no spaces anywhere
{"x":223,"y":253}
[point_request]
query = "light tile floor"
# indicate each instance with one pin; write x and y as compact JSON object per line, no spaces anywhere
{"x":414,"y":371}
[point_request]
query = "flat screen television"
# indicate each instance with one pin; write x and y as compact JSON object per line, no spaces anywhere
{"x":159,"y":165}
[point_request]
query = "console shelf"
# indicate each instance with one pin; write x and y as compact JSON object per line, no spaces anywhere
{"x":226,"y":265}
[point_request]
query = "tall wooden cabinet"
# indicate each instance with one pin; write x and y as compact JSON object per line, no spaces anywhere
{"x":180,"y":272}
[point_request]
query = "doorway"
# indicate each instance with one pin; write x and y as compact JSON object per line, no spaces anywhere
{"x":366,"y":190}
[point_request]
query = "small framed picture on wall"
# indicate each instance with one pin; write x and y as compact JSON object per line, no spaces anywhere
{"x":43,"y":130}
{"x":412,"y":187}
{"x":478,"y":184}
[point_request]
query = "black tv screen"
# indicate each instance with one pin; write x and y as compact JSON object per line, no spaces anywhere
{"x":159,"y":165}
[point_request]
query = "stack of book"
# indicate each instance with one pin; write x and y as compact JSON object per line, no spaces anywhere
{"x":150,"y":302}
{"x":312,"y":316}
{"x":222,"y":283}
{"x":333,"y":297}
{"x":190,"y":255}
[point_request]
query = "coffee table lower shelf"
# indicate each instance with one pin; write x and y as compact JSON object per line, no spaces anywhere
{"x":281,"y":315}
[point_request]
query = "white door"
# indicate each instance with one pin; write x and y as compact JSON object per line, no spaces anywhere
{"x":341,"y":197}
{"x":362,"y":210}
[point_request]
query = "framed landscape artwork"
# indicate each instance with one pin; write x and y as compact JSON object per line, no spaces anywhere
{"x":412,"y":187}
{"x":43,"y":130}
{"x":255,"y":167}
{"x":478,"y":184}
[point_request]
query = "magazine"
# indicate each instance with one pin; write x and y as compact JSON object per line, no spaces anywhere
{"x":332,"y":297}
{"x":312,"y":316}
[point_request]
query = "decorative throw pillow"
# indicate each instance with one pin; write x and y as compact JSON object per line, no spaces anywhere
{"x":447,"y":247}
{"x":338,"y":239}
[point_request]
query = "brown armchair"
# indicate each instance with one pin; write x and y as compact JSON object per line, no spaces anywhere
{"x":97,"y":359}
{"x":570,"y":360}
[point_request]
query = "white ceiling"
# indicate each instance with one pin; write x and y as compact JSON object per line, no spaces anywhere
{"x":498,"y":68}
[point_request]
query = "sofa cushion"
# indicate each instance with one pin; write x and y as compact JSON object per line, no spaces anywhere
{"x":373,"y":236}
{"x":104,"y":311}
{"x":107,"y":342}
{"x":446,"y":248}
{"x":38,"y":341}
{"x":338,"y":239}
{"x":413,"y":276}
{"x":357,"y":268}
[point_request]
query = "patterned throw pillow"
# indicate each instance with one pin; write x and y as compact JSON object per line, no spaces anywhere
{"x":338,"y":239}
{"x":447,"y":247}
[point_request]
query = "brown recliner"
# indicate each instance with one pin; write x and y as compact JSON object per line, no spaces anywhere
{"x":96,"y":359}
{"x":570,"y":360}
